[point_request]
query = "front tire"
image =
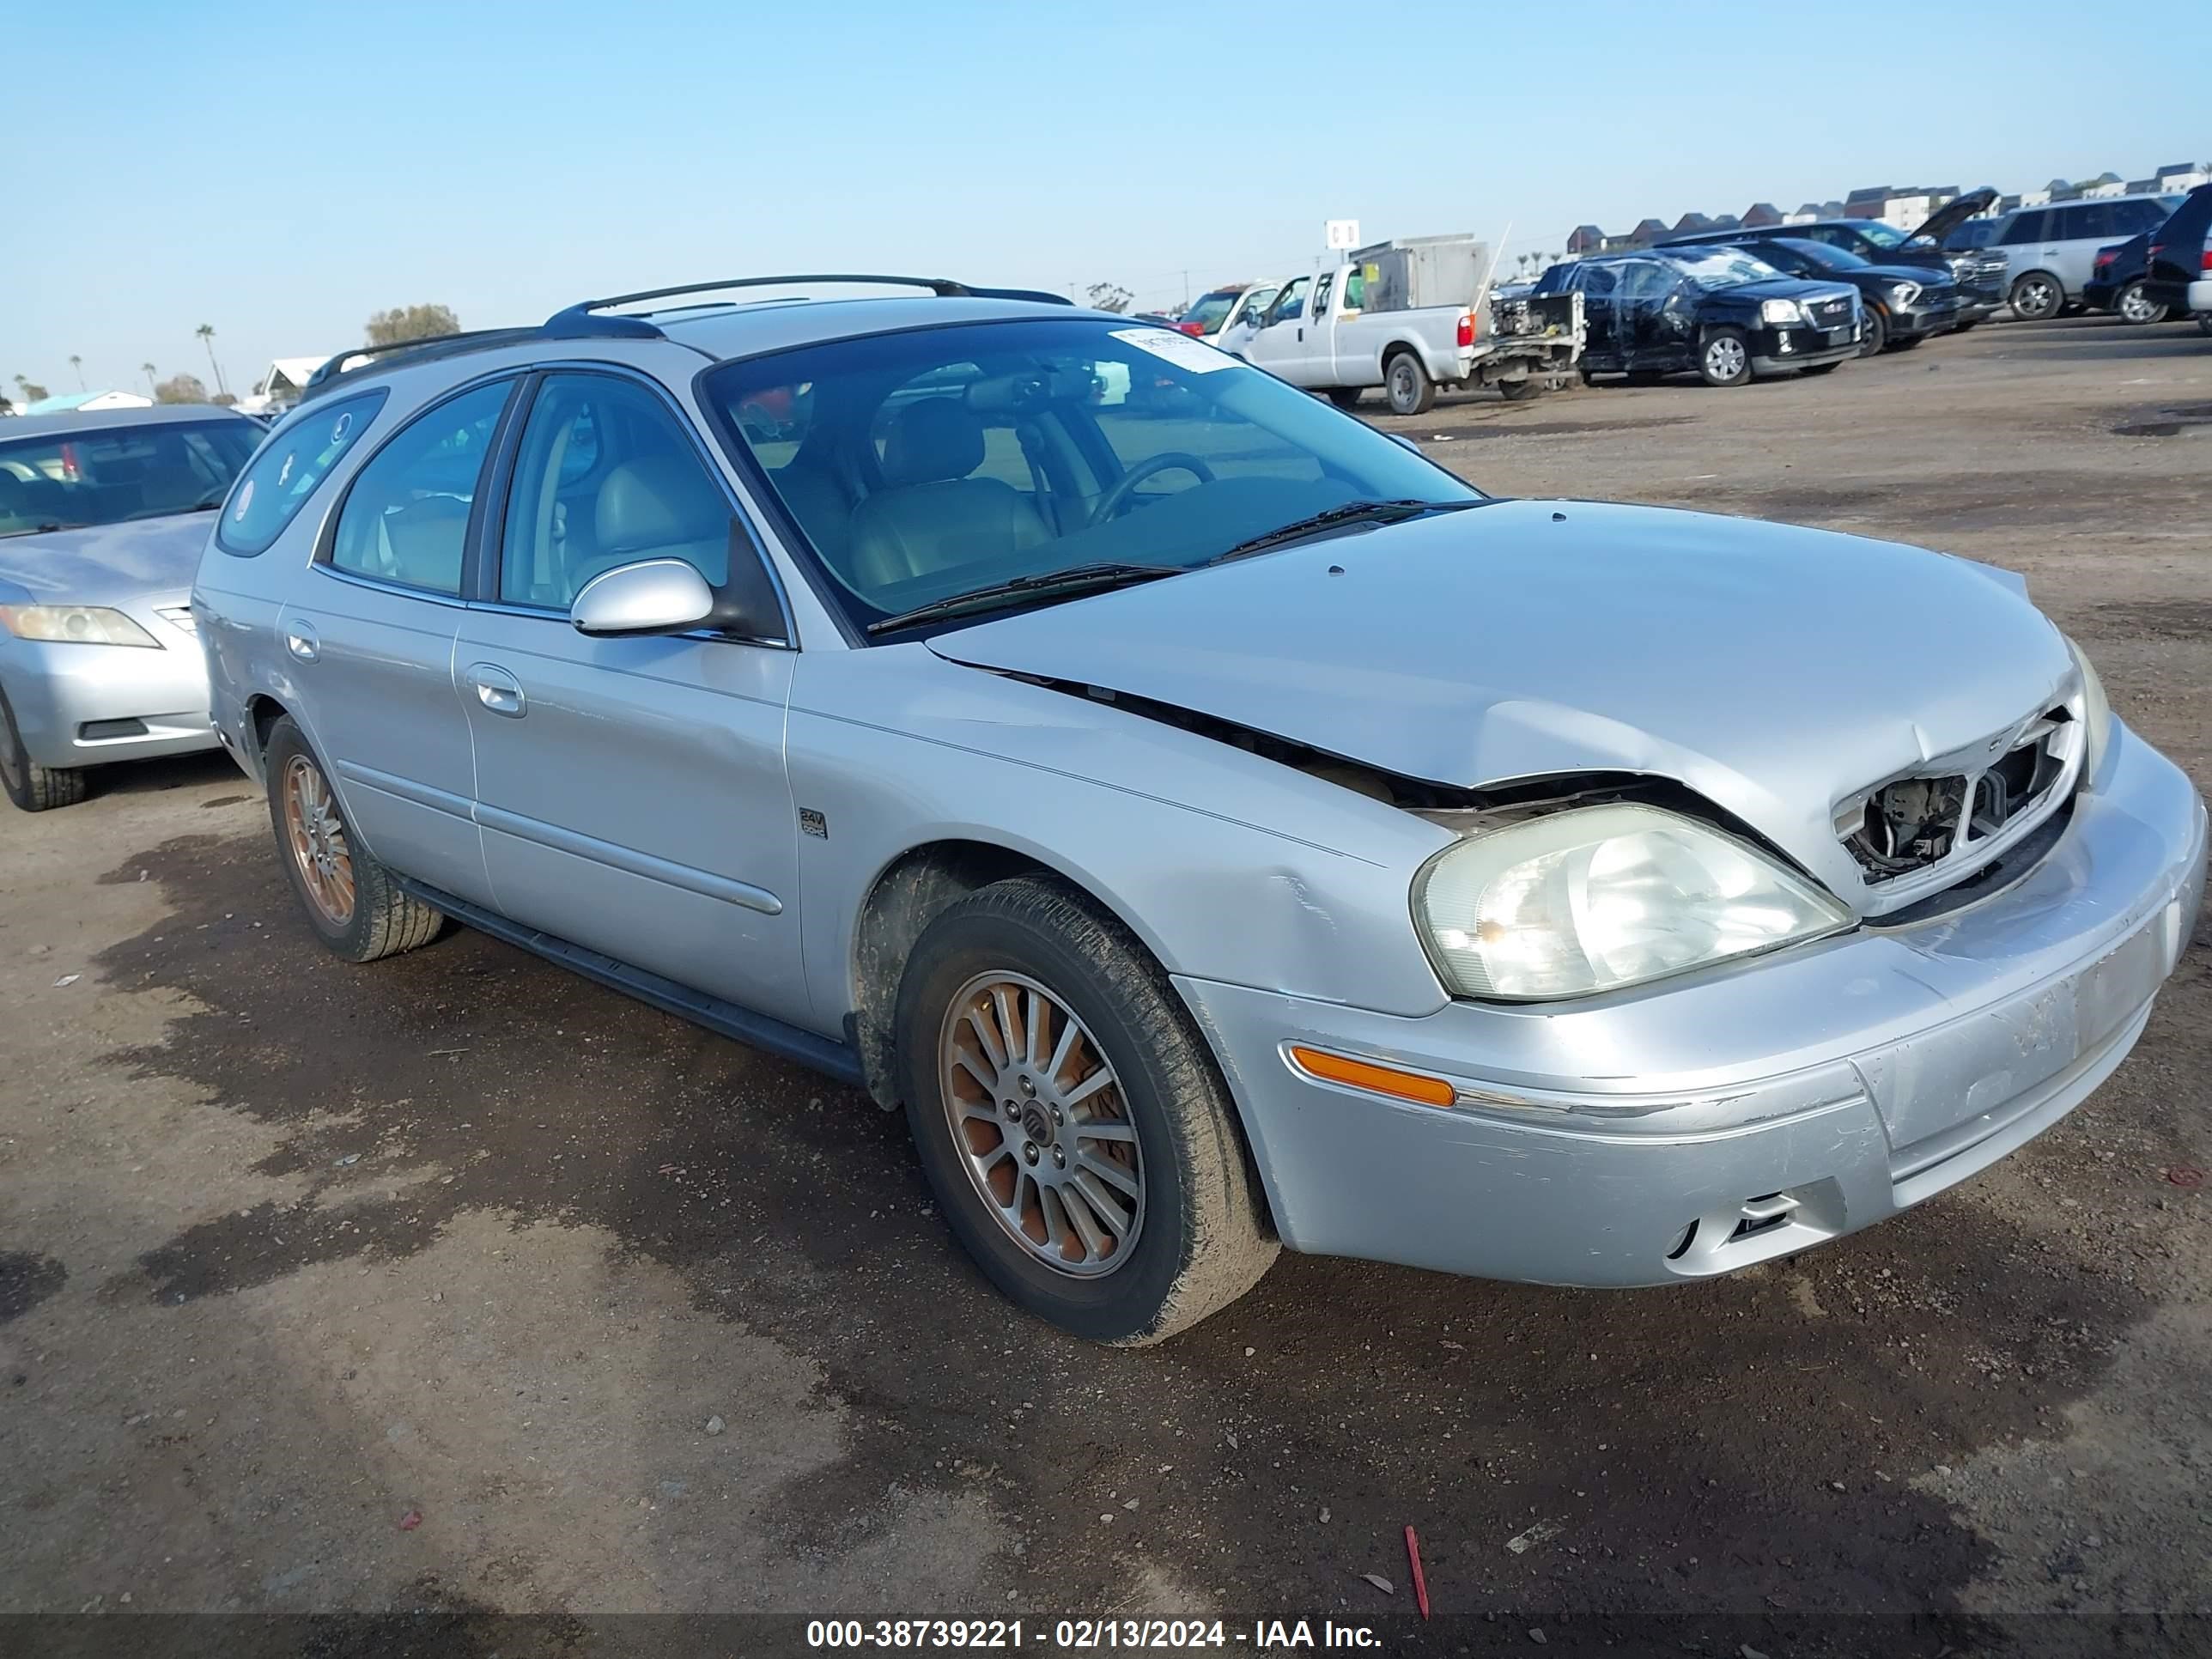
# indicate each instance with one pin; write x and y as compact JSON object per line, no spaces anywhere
{"x":1071,"y":1121}
{"x":33,"y":787}
{"x":1725,"y":359}
{"x":351,"y":901}
{"x":1408,"y":385}
{"x":2037,"y":297}
{"x":2133,"y":305}
{"x":1873,"y":333}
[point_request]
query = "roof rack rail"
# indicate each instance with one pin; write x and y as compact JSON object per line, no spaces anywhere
{"x":580,"y":319}
{"x":430,"y":346}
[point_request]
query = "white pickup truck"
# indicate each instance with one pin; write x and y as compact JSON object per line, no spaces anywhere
{"x":1358,"y":324}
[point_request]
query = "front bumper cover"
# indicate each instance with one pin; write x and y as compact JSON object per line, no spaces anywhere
{"x":1774,"y":1103}
{"x":58,"y":690}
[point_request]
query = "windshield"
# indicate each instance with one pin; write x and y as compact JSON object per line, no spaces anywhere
{"x":931,"y":464}
{"x":104,"y":475}
{"x":1880,"y":234}
{"x":1724,"y":267}
{"x":1209,"y":309}
{"x":1819,"y":253}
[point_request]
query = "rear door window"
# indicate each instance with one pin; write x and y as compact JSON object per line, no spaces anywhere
{"x":2026,"y":226}
{"x":295,"y":459}
{"x":406,"y":513}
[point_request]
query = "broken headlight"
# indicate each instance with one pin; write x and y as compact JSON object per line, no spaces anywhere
{"x":1598,"y":897}
{"x":2096,"y":715}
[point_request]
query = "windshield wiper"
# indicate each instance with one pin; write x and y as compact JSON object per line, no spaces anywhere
{"x":1394,"y":512}
{"x":1078,"y":579}
{"x":37,"y":530}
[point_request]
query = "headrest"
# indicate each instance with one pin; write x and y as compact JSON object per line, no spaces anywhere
{"x":932,"y":441}
{"x":659,"y":501}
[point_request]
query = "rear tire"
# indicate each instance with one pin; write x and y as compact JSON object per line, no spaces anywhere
{"x":1194,"y":1236}
{"x":1724,"y":357}
{"x":2037,"y":297}
{"x":1408,"y":385}
{"x":33,"y":787}
{"x":1518,"y":392}
{"x":1873,"y":333}
{"x":2132,"y":305}
{"x":1346,"y":397}
{"x":350,"y":899}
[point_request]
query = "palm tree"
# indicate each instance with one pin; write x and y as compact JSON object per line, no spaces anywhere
{"x":77,"y":363}
{"x":150,"y":387}
{"x":206,"y":331}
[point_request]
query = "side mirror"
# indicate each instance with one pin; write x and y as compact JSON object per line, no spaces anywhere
{"x":653,"y":595}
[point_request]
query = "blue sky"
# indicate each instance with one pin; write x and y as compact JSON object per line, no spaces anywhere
{"x":282,"y":171}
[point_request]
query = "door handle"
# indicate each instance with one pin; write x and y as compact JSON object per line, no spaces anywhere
{"x":497,"y":689}
{"x":299,"y":639}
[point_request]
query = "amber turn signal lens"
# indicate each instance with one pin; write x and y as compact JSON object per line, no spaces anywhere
{"x":1375,"y":1080}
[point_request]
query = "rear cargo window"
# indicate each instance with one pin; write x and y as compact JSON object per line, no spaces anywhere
{"x":295,"y":459}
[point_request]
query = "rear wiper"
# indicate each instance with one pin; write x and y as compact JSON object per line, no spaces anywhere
{"x":1078,"y":579}
{"x":1350,"y":513}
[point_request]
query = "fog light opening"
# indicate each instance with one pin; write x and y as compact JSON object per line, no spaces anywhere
{"x":1682,"y":1245}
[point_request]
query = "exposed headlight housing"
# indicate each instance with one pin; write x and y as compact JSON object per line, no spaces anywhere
{"x":1781,"y":311}
{"x":1595,"y":898}
{"x":73,"y":624}
{"x":2096,"y":715}
{"x":1904,"y":293}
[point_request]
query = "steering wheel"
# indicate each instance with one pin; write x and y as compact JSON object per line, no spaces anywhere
{"x":1167,"y":461}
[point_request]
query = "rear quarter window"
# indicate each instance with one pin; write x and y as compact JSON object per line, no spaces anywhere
{"x":293,"y":460}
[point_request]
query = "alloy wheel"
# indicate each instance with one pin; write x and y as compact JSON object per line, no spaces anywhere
{"x":317,"y":839}
{"x":1041,"y":1125}
{"x":2136,"y":307}
{"x":1725,"y":359}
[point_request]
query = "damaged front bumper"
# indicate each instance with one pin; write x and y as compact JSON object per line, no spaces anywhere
{"x":1704,"y":1124}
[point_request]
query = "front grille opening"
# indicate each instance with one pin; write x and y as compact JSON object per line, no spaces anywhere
{"x":93,"y":731}
{"x":1912,"y":824}
{"x":1908,"y":825}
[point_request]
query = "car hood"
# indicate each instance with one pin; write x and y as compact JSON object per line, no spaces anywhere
{"x":1785,"y":288}
{"x":104,"y":564}
{"x":1921,"y":274}
{"x":1775,"y":671}
{"x":1953,"y":214}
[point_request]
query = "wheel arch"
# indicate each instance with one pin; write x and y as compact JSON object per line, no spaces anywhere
{"x":904,"y":897}
{"x":911,"y":892}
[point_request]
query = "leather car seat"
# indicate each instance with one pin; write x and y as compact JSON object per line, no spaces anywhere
{"x":931,"y":516}
{"x":658,"y":507}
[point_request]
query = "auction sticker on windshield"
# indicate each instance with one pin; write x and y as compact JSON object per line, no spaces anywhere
{"x":1180,"y":350}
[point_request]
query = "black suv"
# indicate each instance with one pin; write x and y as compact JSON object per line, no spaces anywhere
{"x":1903,"y":305}
{"x":1716,"y":310}
{"x":2181,"y":257}
{"x":1980,"y":273}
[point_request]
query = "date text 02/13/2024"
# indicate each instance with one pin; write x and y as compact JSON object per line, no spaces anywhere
{"x":1086,"y":1635}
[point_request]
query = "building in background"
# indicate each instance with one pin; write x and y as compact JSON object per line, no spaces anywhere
{"x":281,"y":384}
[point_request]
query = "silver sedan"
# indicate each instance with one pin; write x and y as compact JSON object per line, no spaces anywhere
{"x":102,"y":517}
{"x":1216,"y":827}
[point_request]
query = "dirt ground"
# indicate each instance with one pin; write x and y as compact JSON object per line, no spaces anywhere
{"x":414,"y":1288}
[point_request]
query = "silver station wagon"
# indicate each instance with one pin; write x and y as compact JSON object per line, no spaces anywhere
{"x":1217,"y":827}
